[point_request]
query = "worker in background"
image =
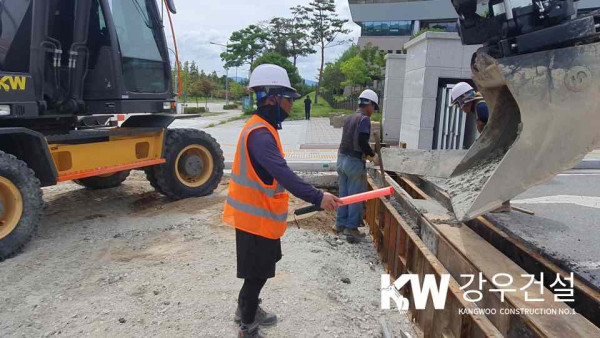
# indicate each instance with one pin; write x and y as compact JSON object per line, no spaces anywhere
{"x":470,"y":101}
{"x":257,"y":201}
{"x":351,"y":168}
{"x":307,"y":104}
{"x":464,"y":96}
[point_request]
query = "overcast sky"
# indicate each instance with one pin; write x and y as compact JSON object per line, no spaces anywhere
{"x":198,"y":22}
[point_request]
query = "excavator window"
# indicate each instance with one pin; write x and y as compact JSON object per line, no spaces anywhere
{"x":15,"y":38}
{"x":99,"y":36}
{"x":137,"y":30}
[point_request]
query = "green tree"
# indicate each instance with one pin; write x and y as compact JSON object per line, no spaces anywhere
{"x":277,"y":59}
{"x":237,"y":90}
{"x":289,"y":36}
{"x":349,"y":53}
{"x":278,"y":35}
{"x":245,"y":46}
{"x":299,"y":34}
{"x":326,"y":27}
{"x":185,"y":79}
{"x":375,"y":60}
{"x":333,"y":77}
{"x":356,"y":72}
{"x":202,"y":87}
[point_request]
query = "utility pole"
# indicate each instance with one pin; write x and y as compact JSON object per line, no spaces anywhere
{"x":226,"y":45}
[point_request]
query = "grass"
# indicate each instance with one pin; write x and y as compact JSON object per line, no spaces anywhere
{"x":322,"y":109}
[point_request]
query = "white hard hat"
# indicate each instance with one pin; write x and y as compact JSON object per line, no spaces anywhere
{"x":459,"y":90}
{"x":270,"y":76}
{"x":370,"y":95}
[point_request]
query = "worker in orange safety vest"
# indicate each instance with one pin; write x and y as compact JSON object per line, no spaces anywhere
{"x":257,"y":200}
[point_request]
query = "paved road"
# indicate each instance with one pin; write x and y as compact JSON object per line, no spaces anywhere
{"x":566,"y":226}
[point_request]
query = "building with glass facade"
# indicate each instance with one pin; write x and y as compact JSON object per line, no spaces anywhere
{"x":388,"y":24}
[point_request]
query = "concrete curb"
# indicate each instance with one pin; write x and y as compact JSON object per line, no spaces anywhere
{"x":324,"y":166}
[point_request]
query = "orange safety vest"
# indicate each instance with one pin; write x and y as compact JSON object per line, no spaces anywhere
{"x":251,"y":205}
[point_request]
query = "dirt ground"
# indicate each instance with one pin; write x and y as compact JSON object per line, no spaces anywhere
{"x":128,"y":262}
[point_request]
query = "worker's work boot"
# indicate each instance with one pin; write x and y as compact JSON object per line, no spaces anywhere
{"x":250,"y":330}
{"x":337,"y":229}
{"x":262,"y":317}
{"x":354,"y":235}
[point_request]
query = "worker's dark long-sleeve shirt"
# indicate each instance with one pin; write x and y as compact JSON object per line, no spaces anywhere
{"x":268,"y":163}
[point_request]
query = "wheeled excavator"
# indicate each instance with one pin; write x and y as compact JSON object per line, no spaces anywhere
{"x":539,"y":70}
{"x":66,"y":68}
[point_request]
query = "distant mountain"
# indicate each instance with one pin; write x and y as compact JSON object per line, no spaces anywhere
{"x":310,"y":83}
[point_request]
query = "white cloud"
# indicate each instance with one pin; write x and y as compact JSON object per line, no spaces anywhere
{"x":197,"y":23}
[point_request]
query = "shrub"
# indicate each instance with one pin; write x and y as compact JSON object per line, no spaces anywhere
{"x":425,"y":30}
{"x":195,"y":110}
{"x":230,"y":106}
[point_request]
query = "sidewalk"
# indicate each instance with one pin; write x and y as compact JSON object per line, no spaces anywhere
{"x":308,"y":145}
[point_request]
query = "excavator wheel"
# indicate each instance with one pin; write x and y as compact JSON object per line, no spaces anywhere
{"x":194,"y":165}
{"x":104,"y":181}
{"x":21,"y":204}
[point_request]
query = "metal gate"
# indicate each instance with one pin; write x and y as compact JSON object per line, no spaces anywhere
{"x":450,"y":122}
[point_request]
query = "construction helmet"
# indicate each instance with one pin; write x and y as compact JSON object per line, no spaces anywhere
{"x":369,"y":96}
{"x":462,"y":93}
{"x":269,"y":79}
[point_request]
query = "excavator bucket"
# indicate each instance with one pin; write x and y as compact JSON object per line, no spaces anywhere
{"x":544,"y":120}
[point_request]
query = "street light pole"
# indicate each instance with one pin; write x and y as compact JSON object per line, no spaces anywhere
{"x":227,"y":85}
{"x":226,"y":71}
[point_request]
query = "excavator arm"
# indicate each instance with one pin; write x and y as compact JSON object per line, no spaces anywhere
{"x":539,"y":71}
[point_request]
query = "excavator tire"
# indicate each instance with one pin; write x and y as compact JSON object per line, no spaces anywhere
{"x":152,"y":179}
{"x":104,"y":181}
{"x":194,"y":166}
{"x":21,"y":205}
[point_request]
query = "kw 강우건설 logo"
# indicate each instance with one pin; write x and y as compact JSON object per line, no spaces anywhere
{"x":419,"y":292}
{"x":500,"y":285}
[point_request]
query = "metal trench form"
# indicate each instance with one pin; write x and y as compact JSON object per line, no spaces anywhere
{"x":414,"y":234}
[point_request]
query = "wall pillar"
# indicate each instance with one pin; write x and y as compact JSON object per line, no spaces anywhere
{"x":430,"y":56}
{"x":392,"y":97}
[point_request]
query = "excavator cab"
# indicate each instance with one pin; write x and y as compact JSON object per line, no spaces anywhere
{"x":84,"y":57}
{"x":66,"y":68}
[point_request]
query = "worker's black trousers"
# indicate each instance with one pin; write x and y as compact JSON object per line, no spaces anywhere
{"x":248,"y":299}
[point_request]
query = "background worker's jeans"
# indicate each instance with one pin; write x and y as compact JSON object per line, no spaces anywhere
{"x":353,"y":180}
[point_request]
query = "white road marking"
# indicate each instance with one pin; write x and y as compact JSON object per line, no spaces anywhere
{"x":578,"y":175}
{"x":584,"y":201}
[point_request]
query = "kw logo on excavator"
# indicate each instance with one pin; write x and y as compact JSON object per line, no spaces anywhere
{"x":8,"y":83}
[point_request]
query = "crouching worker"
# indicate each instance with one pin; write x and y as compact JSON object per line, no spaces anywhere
{"x":257,"y":201}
